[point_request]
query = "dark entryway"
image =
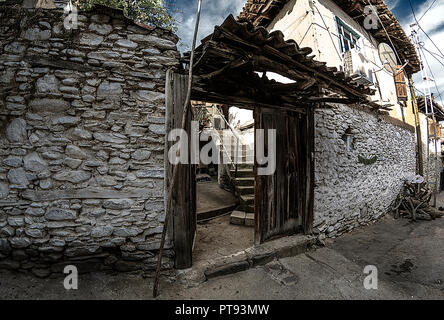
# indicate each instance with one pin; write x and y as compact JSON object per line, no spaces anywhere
{"x":231,"y":68}
{"x":283,"y":199}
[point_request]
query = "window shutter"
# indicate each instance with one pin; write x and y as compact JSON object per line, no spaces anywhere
{"x":432,"y":132}
{"x":401,"y":86}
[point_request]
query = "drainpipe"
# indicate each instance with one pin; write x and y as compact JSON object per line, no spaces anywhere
{"x":419,"y":159}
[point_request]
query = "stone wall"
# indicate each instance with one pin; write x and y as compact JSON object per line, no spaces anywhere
{"x":349,"y":193}
{"x":82,"y":140}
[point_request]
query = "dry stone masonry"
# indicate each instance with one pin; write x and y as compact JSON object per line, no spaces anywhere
{"x":82,"y":140}
{"x":349,"y":192}
{"x":82,"y":146}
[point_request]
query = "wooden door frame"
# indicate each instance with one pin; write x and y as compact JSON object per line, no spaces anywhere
{"x":181,"y":232}
{"x":308,"y":214}
{"x":183,"y":206}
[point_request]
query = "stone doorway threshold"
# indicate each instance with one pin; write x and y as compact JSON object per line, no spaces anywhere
{"x":245,"y":259}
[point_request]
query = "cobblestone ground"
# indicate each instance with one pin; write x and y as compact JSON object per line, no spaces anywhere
{"x":409,"y":257}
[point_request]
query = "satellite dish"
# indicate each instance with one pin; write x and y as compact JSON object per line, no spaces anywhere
{"x":388,"y":57}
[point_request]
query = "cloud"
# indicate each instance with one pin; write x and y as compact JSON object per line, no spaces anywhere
{"x":433,"y":25}
{"x":213,"y":13}
{"x":392,"y":4}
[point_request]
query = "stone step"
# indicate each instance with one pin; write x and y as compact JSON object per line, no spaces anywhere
{"x":247,"y":208}
{"x":248,"y":181}
{"x":241,"y":218}
{"x":243,"y":161}
{"x":258,"y":255}
{"x":240,"y":156}
{"x":249,"y":166}
{"x":245,"y":190}
{"x":238,"y":218}
{"x":247,"y":200}
{"x":242,"y":173}
{"x":249,"y":220}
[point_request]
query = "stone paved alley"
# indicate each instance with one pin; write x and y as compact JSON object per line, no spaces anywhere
{"x":409,"y":257}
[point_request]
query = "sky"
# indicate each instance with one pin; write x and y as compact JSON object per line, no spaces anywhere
{"x":215,"y":11}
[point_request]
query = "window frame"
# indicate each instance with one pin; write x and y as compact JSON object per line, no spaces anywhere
{"x":352,"y":41}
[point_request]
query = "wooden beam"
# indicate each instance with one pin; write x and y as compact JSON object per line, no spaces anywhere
{"x":59,"y":63}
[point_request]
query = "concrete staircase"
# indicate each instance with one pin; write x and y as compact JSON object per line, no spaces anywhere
{"x":243,"y":180}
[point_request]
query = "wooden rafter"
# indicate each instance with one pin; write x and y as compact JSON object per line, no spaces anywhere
{"x":229,"y":60}
{"x":262,"y":13}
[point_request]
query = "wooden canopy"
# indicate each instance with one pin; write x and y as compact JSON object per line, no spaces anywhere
{"x":229,"y":60}
{"x":439,"y":110}
{"x":263,"y":12}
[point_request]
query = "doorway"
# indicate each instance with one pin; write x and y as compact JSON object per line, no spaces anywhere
{"x":225,"y":221}
{"x":283,"y":199}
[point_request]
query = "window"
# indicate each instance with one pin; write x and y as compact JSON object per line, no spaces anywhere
{"x":349,"y":140}
{"x":348,"y":39}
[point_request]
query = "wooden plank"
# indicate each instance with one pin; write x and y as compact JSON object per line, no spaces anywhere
{"x":169,"y":114}
{"x":280,"y":198}
{"x":184,"y":195}
{"x":308,"y":216}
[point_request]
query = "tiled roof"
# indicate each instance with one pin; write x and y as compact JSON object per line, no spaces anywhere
{"x":263,"y":12}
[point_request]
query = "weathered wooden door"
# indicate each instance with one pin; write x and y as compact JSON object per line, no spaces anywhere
{"x":184,"y":194}
{"x":284,"y":200}
{"x":401,"y":85}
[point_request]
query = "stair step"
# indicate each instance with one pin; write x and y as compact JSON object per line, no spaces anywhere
{"x":247,"y":200}
{"x":249,"y":166}
{"x":248,"y":181}
{"x":242,"y":218}
{"x":243,"y":161}
{"x":247,"y":208}
{"x":245,"y":190}
{"x":238,"y":218}
{"x":242,"y":173}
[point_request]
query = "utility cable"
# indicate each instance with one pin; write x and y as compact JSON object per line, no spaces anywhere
{"x":419,"y":26}
{"x":385,"y":30}
{"x":433,"y":77}
{"x":323,"y":21}
{"x":434,"y":55}
{"x":426,"y":10}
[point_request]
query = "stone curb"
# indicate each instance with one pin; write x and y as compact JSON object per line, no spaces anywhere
{"x":258,"y":255}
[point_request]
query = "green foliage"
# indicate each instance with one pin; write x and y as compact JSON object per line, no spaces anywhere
{"x":366,"y":161}
{"x":152,"y":12}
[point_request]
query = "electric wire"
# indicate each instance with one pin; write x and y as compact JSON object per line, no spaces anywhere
{"x":419,"y":26}
{"x":427,"y":10}
{"x":334,"y":45}
{"x":433,"y":77}
{"x":385,"y":30}
{"x":434,"y":55}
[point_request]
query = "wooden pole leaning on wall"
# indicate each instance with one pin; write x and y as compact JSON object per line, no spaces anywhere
{"x":186,"y":110}
{"x":419,"y":156}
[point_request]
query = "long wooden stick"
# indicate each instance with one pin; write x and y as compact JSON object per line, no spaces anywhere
{"x":175,"y":169}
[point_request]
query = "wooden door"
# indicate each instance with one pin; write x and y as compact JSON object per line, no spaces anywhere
{"x":284,"y":200}
{"x":184,"y":194}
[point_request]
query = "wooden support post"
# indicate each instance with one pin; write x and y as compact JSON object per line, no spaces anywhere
{"x":175,"y":174}
{"x":308,"y":217}
{"x":419,"y":158}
